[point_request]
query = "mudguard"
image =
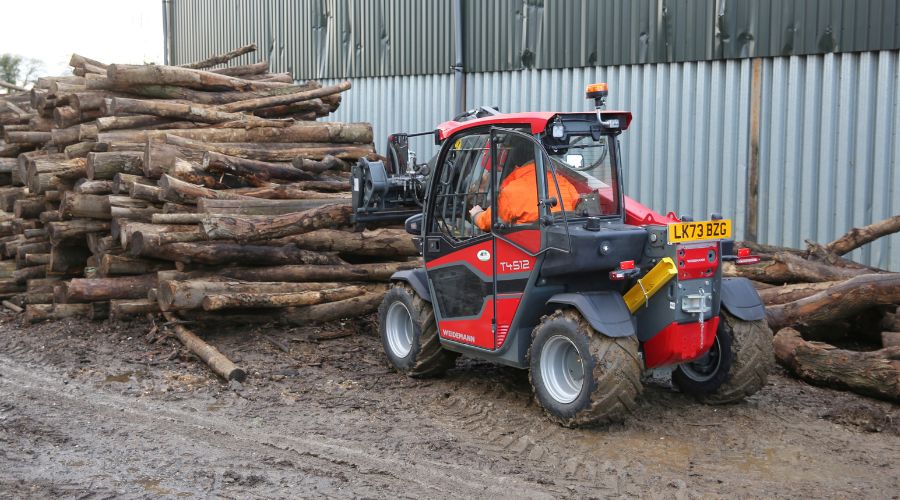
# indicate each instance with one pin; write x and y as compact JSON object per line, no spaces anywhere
{"x":741,"y":300}
{"x":605,"y":311}
{"x":416,"y":279}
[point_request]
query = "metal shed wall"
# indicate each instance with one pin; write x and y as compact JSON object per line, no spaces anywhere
{"x":354,"y":38}
{"x":829,"y":148}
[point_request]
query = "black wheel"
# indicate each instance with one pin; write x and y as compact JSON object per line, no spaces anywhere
{"x":409,"y":334}
{"x":735,"y":367}
{"x":579,"y":376}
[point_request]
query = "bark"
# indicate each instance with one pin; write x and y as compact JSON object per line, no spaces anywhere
{"x":789,"y":268}
{"x":323,"y":132}
{"x":839,"y":301}
{"x":386,"y":243}
{"x":260,"y":206}
{"x":297,"y":190}
{"x":12,"y":307}
{"x":860,"y":236}
{"x":265,"y":102}
{"x":179,"y":191}
{"x":189,"y":294}
{"x":217,"y":302}
{"x":29,"y":208}
{"x":117,"y":265}
{"x":43,"y":312}
{"x":222,"y":58}
{"x":81,"y":149}
{"x":301,"y":273}
{"x":317,"y":167}
{"x":125,"y":74}
{"x":36,"y":259}
{"x":107,"y":123}
{"x":24,"y":274}
{"x":274,"y":151}
{"x":254,"y":169}
{"x":217,"y":361}
{"x":119,"y":309}
{"x":126,"y":287}
{"x":142,"y":191}
{"x":197,"y":96}
{"x":210,"y":253}
{"x":874,"y":373}
{"x":258,"y":68}
{"x":188,"y":112}
{"x":251,"y":228}
{"x":93,"y":206}
{"x":74,"y":229}
{"x":789,"y":293}
{"x":38,"y":298}
{"x":106,"y":165}
{"x":142,"y":214}
{"x":349,"y":308}
{"x":161,"y":158}
{"x":127,"y":231}
{"x":890,"y":339}
{"x":85,"y":186}
{"x":121,"y":183}
{"x":10,"y":286}
{"x":176,"y":218}
{"x":63,"y":137}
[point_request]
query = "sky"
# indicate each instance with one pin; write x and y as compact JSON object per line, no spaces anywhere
{"x":109,"y":31}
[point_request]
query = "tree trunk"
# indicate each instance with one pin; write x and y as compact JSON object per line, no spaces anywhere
{"x":180,"y":191}
{"x":254,"y":169}
{"x":188,"y":112}
{"x":874,"y":373}
{"x":258,"y":206}
{"x":177,"y":218}
{"x":318,"y":167}
{"x":29,"y":208}
{"x":217,"y":302}
{"x":217,"y":361}
{"x":85,"y":186}
{"x":43,"y":312}
{"x":839,"y":301}
{"x":107,"y":165}
{"x":222,"y":58}
{"x":142,"y":191}
{"x":74,"y":229}
{"x":120,"y":309}
{"x":788,"y":268}
{"x":274,"y":151}
{"x":860,"y":236}
{"x":332,"y":311}
{"x":325,"y":132}
{"x":116,"y":265}
{"x":161,"y":158}
{"x":789,"y":293}
{"x":279,"y":100}
{"x":126,"y":75}
{"x":81,"y":149}
{"x":297,"y":190}
{"x":126,"y":287}
{"x":385,"y":243}
{"x":300,"y":273}
{"x":178,"y":295}
{"x":253,"y":69}
{"x":29,"y":273}
{"x":250,"y":228}
{"x":217,"y":254}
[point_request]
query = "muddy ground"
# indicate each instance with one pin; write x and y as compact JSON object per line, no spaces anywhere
{"x":95,"y":410}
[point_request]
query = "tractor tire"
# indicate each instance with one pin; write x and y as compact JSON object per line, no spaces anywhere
{"x":581,"y":377}
{"x":409,"y":334}
{"x":736,"y":366}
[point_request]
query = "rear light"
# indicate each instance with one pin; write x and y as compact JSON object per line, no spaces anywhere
{"x":626,"y":269}
{"x":743,"y":252}
{"x":626,"y":264}
{"x":743,"y":261}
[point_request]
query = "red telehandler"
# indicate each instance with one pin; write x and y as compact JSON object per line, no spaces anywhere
{"x":535,"y":258}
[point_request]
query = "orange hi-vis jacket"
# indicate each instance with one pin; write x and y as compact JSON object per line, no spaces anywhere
{"x":518,"y":203}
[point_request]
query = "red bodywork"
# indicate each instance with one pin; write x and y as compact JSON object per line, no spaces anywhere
{"x":680,"y":342}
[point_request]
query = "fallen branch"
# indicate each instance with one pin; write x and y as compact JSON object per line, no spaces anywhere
{"x":217,"y":361}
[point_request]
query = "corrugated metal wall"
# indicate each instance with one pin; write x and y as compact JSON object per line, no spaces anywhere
{"x":829,"y":145}
{"x":353,"y":38}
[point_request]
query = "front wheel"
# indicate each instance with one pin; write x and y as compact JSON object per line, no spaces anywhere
{"x":409,"y":334}
{"x":736,"y":365}
{"x":580,"y":376}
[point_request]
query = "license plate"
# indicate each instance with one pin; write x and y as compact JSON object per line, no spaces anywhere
{"x":699,"y":231}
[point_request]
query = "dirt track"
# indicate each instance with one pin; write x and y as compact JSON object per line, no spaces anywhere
{"x":94,"y":410}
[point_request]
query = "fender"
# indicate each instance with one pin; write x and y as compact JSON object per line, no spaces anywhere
{"x":416,"y":279}
{"x":605,"y":311}
{"x":741,"y":300}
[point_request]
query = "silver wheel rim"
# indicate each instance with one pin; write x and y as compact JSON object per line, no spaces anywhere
{"x":705,"y":368}
{"x":399,"y":330}
{"x":562,"y":369}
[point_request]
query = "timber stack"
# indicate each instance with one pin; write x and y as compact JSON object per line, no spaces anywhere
{"x":206,"y":191}
{"x":837,"y":322}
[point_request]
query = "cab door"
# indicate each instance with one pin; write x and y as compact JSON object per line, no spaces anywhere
{"x":477,"y":266}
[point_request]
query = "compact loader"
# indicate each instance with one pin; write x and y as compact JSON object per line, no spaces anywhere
{"x":535,"y":258}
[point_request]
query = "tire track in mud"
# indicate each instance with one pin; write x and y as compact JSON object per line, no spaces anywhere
{"x":318,"y":456}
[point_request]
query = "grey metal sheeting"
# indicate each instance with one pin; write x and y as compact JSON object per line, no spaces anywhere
{"x":829,"y":148}
{"x":353,"y":38}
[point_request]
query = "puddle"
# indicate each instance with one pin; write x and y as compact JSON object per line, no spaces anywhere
{"x":118,"y":378}
{"x":152,"y":486}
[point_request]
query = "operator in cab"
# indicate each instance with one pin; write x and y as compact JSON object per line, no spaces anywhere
{"x":517,"y":201}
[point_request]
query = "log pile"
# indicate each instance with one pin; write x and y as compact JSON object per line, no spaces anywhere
{"x":816,"y":297}
{"x":127,"y":190}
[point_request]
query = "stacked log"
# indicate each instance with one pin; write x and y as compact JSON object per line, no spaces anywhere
{"x":817,"y":295}
{"x":128,"y":190}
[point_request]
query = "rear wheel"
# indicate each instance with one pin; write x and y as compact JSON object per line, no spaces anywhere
{"x":409,"y":335}
{"x":580,"y":376}
{"x":735,"y":367}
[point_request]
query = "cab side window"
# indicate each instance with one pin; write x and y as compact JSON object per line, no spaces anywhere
{"x":464,"y":182}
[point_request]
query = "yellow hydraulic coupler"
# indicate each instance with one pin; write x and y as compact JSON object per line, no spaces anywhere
{"x":652,"y":282}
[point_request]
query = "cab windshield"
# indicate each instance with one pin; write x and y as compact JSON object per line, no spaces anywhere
{"x":585,"y":166}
